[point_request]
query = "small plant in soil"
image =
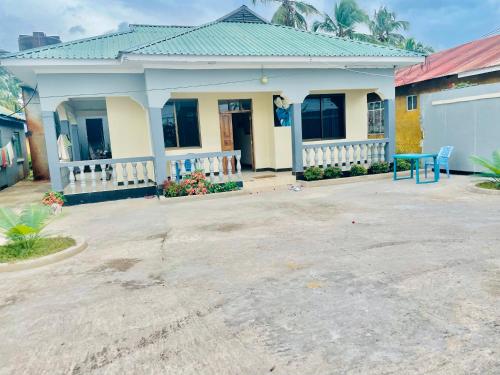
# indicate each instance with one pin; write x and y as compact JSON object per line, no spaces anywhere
{"x":403,"y":165}
{"x":313,"y":173}
{"x":493,"y":170}
{"x":332,"y":172}
{"x":357,"y":170}
{"x":379,"y":167}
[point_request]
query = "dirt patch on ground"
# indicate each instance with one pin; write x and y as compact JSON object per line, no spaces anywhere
{"x":225,"y":227}
{"x":117,"y":265}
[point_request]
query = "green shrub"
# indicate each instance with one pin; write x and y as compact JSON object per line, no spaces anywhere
{"x":492,"y":166}
{"x":333,"y":172}
{"x":24,"y":229}
{"x":379,"y":167}
{"x":403,"y":165}
{"x":230,"y":186}
{"x":357,"y":170}
{"x":313,"y":173}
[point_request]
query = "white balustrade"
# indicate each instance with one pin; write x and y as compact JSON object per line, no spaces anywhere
{"x":84,"y":173}
{"x":345,"y":153}
{"x":226,"y":164}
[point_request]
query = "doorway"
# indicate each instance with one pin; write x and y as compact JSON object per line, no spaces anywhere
{"x":96,"y":139}
{"x":236,"y":130}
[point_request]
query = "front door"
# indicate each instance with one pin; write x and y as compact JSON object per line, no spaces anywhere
{"x":226,"y":136}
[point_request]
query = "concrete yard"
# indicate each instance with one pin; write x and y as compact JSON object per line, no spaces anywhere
{"x":373,"y":277}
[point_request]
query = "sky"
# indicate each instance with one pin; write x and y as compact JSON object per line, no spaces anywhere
{"x":441,"y":24}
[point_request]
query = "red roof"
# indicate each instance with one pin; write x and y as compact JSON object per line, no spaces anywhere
{"x":479,"y":54}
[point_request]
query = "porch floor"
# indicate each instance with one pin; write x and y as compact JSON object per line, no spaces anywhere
{"x":266,"y":180}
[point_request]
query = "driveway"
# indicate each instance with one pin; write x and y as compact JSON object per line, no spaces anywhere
{"x":368,"y":278}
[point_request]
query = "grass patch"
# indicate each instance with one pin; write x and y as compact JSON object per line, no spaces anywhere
{"x":488,"y":185}
{"x":45,"y":246}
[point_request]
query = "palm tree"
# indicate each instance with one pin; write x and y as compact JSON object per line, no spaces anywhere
{"x":492,"y":166}
{"x":346,"y":16}
{"x":291,"y":12}
{"x":10,"y":91}
{"x":410,"y":44}
{"x":384,"y":26}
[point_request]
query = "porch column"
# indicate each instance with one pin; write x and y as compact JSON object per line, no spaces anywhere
{"x":390,"y":128}
{"x":49,"y":126}
{"x":297,"y":161}
{"x":157,"y":144}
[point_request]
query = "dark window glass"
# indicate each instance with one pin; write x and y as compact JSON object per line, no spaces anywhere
{"x":180,"y":123}
{"x":187,"y":123}
{"x":311,"y":118}
{"x":246,"y":104}
{"x":17,"y":145}
{"x":411,"y":102}
{"x":323,"y":117}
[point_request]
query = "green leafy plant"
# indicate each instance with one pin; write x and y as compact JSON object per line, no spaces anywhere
{"x":493,"y":166}
{"x":379,"y":167}
{"x":403,"y":165}
{"x":357,"y":170}
{"x":332,"y":172}
{"x":24,"y":228}
{"x":313,"y":173}
{"x":231,"y":186}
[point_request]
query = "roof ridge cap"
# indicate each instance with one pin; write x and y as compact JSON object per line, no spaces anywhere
{"x":64,"y":44}
{"x":153,"y":25}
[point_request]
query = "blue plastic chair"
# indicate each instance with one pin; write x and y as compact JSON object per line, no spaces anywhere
{"x":442,"y":160}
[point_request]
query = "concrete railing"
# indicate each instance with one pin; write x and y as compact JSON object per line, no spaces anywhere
{"x":107,"y":174}
{"x":220,"y":166}
{"x":345,"y":153}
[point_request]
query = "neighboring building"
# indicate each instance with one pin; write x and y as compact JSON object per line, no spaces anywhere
{"x":39,"y":162}
{"x":471,"y":64}
{"x":13,"y":155}
{"x":38,"y":39}
{"x":148,"y":103}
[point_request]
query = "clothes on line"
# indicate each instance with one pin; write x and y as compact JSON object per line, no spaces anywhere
{"x":63,"y":145}
{"x":7,"y":155}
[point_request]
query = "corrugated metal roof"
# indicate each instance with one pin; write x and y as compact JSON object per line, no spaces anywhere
{"x":105,"y":46}
{"x":259,"y":39}
{"x":224,"y":37}
{"x":7,"y":112}
{"x":479,"y":54}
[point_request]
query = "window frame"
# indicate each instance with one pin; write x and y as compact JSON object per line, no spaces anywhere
{"x":17,"y":145}
{"x":371,"y":111}
{"x":343,"y":115}
{"x":173,"y":100}
{"x":414,"y":103}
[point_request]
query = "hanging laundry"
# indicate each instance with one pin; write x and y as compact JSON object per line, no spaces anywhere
{"x":63,"y":143}
{"x":4,"y":158}
{"x":10,"y":153}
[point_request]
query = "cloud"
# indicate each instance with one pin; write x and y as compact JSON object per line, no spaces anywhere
{"x":441,"y":23}
{"x":77,"y":29}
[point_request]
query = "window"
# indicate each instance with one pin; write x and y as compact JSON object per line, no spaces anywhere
{"x":235,"y":105}
{"x":17,"y":145}
{"x":375,"y":114}
{"x":180,"y":123}
{"x":411,"y":102}
{"x":323,"y":117}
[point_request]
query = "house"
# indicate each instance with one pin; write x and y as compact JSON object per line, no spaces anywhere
{"x":138,"y":107}
{"x":451,"y":99}
{"x":13,"y":155}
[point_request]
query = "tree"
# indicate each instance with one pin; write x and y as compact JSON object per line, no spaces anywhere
{"x":291,"y":12}
{"x":384,"y":26}
{"x":10,"y":91}
{"x":411,"y":44}
{"x":346,"y":16}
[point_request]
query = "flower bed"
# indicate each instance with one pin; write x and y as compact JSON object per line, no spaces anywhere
{"x":196,"y":184}
{"x":318,"y":173}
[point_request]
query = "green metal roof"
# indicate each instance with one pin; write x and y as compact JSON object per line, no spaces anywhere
{"x":260,"y":39}
{"x":107,"y":46}
{"x":240,"y":33}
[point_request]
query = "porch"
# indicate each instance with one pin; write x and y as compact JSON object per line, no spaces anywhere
{"x":128,"y":146}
